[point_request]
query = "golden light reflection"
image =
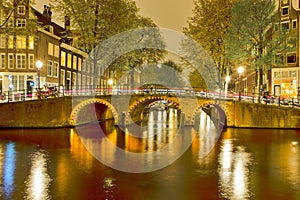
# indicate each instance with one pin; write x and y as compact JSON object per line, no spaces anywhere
{"x":234,"y":171}
{"x":38,"y":181}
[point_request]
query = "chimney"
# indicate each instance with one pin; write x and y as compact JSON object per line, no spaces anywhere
{"x":67,"y":23}
{"x":47,"y":12}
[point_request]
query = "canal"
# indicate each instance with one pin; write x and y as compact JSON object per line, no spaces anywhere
{"x":67,"y":163}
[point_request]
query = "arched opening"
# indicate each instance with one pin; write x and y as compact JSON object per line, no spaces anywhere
{"x":91,"y":111}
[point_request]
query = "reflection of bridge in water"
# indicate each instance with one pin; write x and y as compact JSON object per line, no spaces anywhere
{"x":127,"y":109}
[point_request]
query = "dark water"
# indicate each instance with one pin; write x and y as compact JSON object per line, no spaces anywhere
{"x":244,"y":164}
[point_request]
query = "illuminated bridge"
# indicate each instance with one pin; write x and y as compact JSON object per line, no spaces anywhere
{"x":126,"y":109}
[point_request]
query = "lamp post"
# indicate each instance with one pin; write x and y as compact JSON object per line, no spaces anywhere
{"x":240,"y":70}
{"x":39,"y":65}
{"x":227,"y":79}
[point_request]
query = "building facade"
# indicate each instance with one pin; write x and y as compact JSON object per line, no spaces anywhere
{"x":27,"y":36}
{"x":285,"y":73}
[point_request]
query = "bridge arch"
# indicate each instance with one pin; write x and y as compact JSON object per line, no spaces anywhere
{"x":100,"y":105}
{"x":221,"y":108}
{"x":136,"y":109}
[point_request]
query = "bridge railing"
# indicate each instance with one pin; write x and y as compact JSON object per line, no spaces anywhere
{"x":23,"y":95}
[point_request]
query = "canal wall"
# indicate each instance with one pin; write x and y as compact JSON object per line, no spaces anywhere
{"x":264,"y":116}
{"x":44,"y":113}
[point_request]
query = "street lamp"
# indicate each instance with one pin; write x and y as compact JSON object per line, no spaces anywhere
{"x":110,"y":83}
{"x":240,"y":70}
{"x":39,"y":65}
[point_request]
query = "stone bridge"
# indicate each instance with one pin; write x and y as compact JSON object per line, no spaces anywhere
{"x":126,"y":109}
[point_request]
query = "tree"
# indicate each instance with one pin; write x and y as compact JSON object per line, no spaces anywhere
{"x":97,"y":20}
{"x":250,"y":39}
{"x":208,"y":26}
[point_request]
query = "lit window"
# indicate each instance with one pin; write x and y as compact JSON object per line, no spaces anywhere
{"x":74,"y":62}
{"x":63,"y":58}
{"x":31,"y":42}
{"x":2,"y":60}
{"x":21,"y":10}
{"x":11,"y":42}
{"x":21,"y":61}
{"x":291,"y":58}
{"x":50,"y":49}
{"x":69,"y":60}
{"x":21,"y":23}
{"x":11,"y":61}
{"x":21,"y":42}
{"x":56,"y":51}
{"x":49,"y":69}
{"x":79,"y":64}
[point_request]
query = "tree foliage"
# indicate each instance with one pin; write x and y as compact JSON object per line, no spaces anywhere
{"x":208,"y":26}
{"x":97,"y":20}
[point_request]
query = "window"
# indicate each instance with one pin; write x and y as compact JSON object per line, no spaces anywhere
{"x":79,"y":81}
{"x":74,"y":79}
{"x":69,"y":60}
{"x":63,"y":58}
{"x":277,"y":75}
{"x":21,"y":23}
{"x":31,"y":42}
{"x":31,"y":61}
{"x":55,"y":69}
{"x":285,"y":25}
{"x":294,"y":24}
{"x":56,"y":51}
{"x":2,"y":60}
{"x":62,"y":77}
{"x":292,"y":74}
{"x":285,"y":11}
{"x":14,"y":82}
{"x":11,"y":42}
{"x":2,"y":41}
{"x":21,"y":42}
{"x":21,"y":10}
{"x":11,"y":62}
{"x":79,"y":64}
{"x":74,"y":62}
{"x":21,"y":61}
{"x":50,"y":49}
{"x":21,"y":83}
{"x":49,"y":68}
{"x":291,"y":58}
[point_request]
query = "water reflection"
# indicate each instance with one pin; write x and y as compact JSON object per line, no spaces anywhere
{"x":233,"y":171}
{"x":160,"y":143}
{"x":38,"y":182}
{"x":9,"y":169}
